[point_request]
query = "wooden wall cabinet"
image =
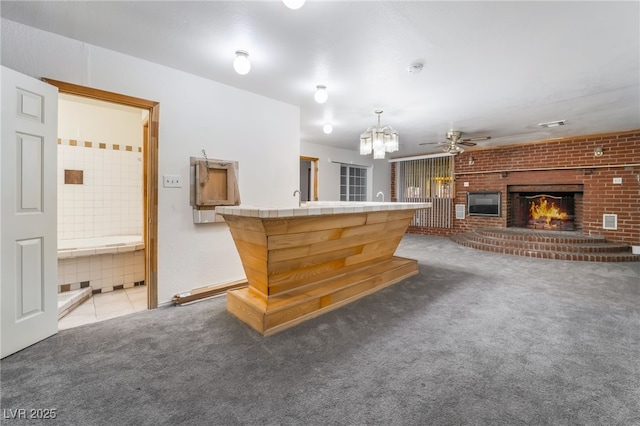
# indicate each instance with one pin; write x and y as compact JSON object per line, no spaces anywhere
{"x":213,"y":183}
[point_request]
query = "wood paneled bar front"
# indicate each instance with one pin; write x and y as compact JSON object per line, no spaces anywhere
{"x":302,"y":262}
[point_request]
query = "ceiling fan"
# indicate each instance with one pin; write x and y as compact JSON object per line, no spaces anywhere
{"x":454,"y":140}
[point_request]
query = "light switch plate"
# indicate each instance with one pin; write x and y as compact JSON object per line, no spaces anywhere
{"x":171,"y":181}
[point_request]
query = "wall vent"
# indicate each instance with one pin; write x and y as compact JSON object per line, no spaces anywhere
{"x":610,"y":221}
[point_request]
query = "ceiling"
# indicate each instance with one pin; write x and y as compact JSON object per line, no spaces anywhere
{"x":490,"y":68}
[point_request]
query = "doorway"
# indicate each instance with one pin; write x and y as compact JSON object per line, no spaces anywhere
{"x":149,"y":161}
{"x":100,"y":222}
{"x":308,"y":178}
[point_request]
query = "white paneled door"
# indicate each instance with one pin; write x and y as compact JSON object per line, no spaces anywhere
{"x":28,"y":250}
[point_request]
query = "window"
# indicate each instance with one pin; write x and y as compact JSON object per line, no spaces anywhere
{"x":425,"y":178}
{"x":353,"y":183}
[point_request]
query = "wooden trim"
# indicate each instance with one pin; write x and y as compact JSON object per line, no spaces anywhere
{"x":209,"y":291}
{"x":151,"y":208}
{"x":150,"y":167}
{"x":314,"y":163}
{"x":101,"y":95}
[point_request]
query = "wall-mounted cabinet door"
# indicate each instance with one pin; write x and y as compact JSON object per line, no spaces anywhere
{"x":216,"y":184}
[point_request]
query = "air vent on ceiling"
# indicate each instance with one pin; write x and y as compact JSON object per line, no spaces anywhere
{"x":552,"y":123}
{"x":610,"y":221}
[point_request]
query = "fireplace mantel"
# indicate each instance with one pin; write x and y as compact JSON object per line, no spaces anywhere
{"x":550,"y":187}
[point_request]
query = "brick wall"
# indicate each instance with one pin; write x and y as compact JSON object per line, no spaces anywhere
{"x":567,"y":161}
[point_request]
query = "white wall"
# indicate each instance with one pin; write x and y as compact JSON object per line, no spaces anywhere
{"x":195,"y":114}
{"x":85,"y":119}
{"x":378,"y":176}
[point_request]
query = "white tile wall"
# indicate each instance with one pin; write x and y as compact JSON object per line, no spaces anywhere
{"x":109,"y":202}
{"x":103,"y":271}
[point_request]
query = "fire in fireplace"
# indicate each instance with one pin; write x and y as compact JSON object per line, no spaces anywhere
{"x":545,"y":211}
{"x":556,"y":206}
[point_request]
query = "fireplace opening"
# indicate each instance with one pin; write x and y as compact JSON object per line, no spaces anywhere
{"x":556,"y":207}
{"x":554,"y":212}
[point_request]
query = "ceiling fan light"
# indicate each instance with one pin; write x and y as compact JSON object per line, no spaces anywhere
{"x":453,"y":149}
{"x":241,"y":64}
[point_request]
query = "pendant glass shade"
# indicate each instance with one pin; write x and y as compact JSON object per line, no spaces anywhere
{"x":379,"y":139}
{"x":391,"y":142}
{"x":378,"y":154}
{"x":365,"y":144}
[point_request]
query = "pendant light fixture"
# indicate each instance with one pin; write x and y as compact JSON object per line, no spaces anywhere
{"x":241,"y":64}
{"x":379,"y":139}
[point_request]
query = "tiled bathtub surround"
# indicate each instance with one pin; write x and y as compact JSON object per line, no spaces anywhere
{"x":102,"y":264}
{"x":109,"y":200}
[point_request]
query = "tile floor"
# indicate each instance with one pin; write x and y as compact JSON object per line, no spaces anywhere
{"x":104,"y":306}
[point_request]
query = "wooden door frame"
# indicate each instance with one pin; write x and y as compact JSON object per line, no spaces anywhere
{"x":314,"y":166}
{"x":150,"y":167}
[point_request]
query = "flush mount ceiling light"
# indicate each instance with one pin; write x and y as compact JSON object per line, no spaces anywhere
{"x":321,"y":95}
{"x":241,"y":64}
{"x":415,"y":68}
{"x":552,"y":124}
{"x":379,"y":139}
{"x":327,"y":128}
{"x":293,"y":4}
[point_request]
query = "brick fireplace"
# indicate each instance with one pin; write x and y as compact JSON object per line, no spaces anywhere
{"x":555,"y":207}
{"x":600,"y":185}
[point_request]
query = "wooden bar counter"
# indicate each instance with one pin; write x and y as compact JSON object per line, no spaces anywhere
{"x":302,"y":262}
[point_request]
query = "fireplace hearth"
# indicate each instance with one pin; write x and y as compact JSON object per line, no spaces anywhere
{"x":546,"y":207}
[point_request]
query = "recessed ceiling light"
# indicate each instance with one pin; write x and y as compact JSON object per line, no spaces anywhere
{"x":552,"y":123}
{"x":327,"y":128}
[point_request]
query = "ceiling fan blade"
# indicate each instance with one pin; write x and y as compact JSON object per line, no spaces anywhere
{"x":466,"y":143}
{"x":479,"y":138}
{"x":431,"y":143}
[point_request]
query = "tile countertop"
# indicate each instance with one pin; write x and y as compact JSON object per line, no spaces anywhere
{"x":316,"y":208}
